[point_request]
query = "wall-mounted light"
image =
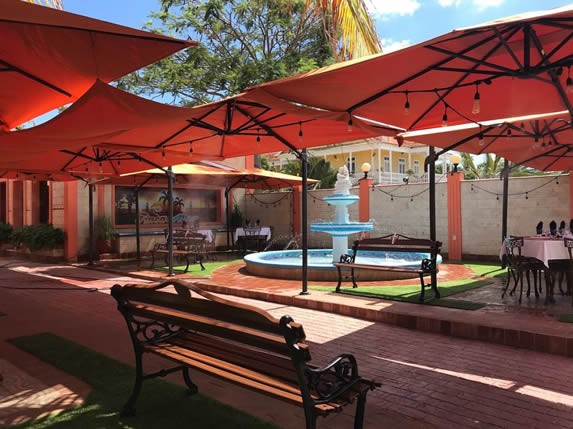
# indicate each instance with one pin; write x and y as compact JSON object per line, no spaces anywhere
{"x":455,"y":159}
{"x":365,"y":168}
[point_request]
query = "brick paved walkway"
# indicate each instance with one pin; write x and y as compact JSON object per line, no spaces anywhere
{"x":428,"y":380}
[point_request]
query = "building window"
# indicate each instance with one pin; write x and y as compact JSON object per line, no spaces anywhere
{"x":351,"y":165}
{"x":417,"y":168}
{"x":401,"y":166}
{"x":387,"y":164}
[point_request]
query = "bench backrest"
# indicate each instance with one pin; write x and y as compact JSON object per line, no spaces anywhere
{"x":193,"y":318}
{"x":398,"y":243}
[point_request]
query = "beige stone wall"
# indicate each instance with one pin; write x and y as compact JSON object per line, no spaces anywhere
{"x":481,"y":210}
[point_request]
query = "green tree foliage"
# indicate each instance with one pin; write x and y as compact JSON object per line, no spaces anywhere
{"x":242,"y":43}
{"x":318,"y":169}
{"x":492,"y":167}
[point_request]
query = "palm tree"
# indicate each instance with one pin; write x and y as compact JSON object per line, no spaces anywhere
{"x":56,"y":4}
{"x":491,"y":167}
{"x":348,"y":27}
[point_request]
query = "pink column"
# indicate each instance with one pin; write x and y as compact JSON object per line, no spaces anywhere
{"x":364,"y":203}
{"x":455,"y":216}
{"x":571,"y":195}
{"x":71,"y":220}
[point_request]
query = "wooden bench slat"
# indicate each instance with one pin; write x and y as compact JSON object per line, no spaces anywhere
{"x":211,"y":326}
{"x":277,"y":365}
{"x":200,"y":306}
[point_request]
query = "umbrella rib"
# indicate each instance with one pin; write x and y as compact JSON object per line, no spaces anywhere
{"x":415,"y":75}
{"x":41,"y":81}
{"x":269,"y":130}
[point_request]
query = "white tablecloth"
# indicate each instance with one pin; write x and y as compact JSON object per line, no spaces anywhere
{"x":265,"y":230}
{"x":208,"y":233}
{"x":542,"y":248}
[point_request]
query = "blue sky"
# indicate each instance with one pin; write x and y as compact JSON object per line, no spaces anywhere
{"x":399,"y":22}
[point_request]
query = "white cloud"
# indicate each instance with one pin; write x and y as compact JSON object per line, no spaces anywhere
{"x":394,"y":7}
{"x":485,"y":4}
{"x":389,"y":45}
{"x":449,"y":3}
{"x":480,"y":5}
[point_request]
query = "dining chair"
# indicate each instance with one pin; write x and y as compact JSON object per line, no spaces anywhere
{"x":563,"y":268}
{"x":518,"y":266}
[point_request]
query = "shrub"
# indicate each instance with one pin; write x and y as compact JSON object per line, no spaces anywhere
{"x":36,"y":237}
{"x":103,"y":228}
{"x":5,"y":232}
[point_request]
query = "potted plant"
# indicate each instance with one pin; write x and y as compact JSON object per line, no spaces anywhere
{"x":236,"y":220}
{"x":41,"y":240}
{"x":104,"y":234}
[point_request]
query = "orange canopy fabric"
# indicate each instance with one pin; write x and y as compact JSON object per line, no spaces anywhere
{"x":544,"y":143}
{"x":228,"y":177}
{"x":127,"y":133}
{"x":49,"y":58}
{"x":518,"y":65}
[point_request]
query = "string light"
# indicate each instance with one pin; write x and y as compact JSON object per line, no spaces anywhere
{"x":100,"y":167}
{"x":497,"y":197}
{"x":407,"y":104}
{"x":190,"y":148}
{"x":300,"y":131}
{"x":258,"y":135}
{"x":445,"y":117}
{"x":509,"y":131}
{"x":163,"y":152}
{"x":349,"y":125}
{"x":569,"y":81}
{"x":526,"y":195}
{"x":476,"y":105}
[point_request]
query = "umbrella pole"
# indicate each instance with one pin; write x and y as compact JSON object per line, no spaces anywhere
{"x":91,"y":224}
{"x":432,"y":178}
{"x":304,"y":222}
{"x":505,"y":174}
{"x":227,"y":218}
{"x":137,"y":231}
{"x":170,"y":178}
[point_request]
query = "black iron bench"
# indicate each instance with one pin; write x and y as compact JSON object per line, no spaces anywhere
{"x":237,"y":343}
{"x":394,"y":243}
{"x":187,"y":244}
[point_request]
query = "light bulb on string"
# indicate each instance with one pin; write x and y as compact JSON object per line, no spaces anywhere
{"x":445,"y":117}
{"x":481,"y":141}
{"x":163,"y":152}
{"x":349,"y":125}
{"x":300,"y":132}
{"x":190,"y":148}
{"x":526,"y":195}
{"x":258,"y":136}
{"x":569,"y":81}
{"x":407,"y":104}
{"x":509,"y":131}
{"x":100,"y":167}
{"x":476,"y":104}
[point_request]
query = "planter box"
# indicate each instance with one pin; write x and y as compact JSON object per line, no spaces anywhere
{"x":42,"y":255}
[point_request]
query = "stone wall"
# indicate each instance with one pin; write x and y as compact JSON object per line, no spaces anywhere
{"x":404,"y":209}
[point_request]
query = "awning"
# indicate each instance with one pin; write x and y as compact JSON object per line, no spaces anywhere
{"x":49,"y":58}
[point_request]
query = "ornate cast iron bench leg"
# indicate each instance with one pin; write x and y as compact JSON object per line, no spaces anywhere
{"x":129,"y":407}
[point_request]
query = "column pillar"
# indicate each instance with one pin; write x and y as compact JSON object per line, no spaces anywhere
{"x":100,"y":200}
{"x":296,"y":210}
{"x":571,"y":195}
{"x":71,"y":220}
{"x":364,"y":202}
{"x":455,"y":216}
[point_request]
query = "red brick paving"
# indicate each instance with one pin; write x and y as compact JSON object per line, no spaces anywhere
{"x":428,"y":380}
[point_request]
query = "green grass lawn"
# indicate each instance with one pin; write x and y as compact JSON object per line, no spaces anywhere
{"x":566,"y":318}
{"x":161,"y":404}
{"x":195,"y":269}
{"x":411,"y":293}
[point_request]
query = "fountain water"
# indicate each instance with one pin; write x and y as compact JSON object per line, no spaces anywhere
{"x":341,"y":228}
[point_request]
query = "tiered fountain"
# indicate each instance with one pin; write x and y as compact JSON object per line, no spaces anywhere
{"x":286,"y":264}
{"x":341,"y":228}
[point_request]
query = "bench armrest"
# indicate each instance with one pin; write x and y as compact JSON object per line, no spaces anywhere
{"x":333,"y":379}
{"x":345,"y":258}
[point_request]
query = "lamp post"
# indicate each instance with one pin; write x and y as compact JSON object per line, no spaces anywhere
{"x":455,"y":159}
{"x":365,"y":168}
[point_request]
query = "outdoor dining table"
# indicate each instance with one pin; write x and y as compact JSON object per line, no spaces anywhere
{"x":265,"y":231}
{"x":544,"y":249}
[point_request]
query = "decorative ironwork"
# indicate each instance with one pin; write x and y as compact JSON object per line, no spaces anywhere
{"x":152,"y":331}
{"x":428,"y":265}
{"x":346,"y":258}
{"x":335,"y":378}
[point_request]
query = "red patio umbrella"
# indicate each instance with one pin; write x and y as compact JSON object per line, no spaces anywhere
{"x":509,"y":67}
{"x":49,"y":58}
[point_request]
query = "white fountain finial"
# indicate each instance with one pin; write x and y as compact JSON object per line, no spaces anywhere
{"x":343,"y":183}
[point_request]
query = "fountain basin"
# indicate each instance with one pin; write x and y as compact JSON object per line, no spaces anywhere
{"x":341,"y":229}
{"x":287,"y":264}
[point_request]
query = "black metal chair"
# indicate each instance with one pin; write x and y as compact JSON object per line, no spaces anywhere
{"x":518,"y":266}
{"x":563,"y":268}
{"x":252,"y":240}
